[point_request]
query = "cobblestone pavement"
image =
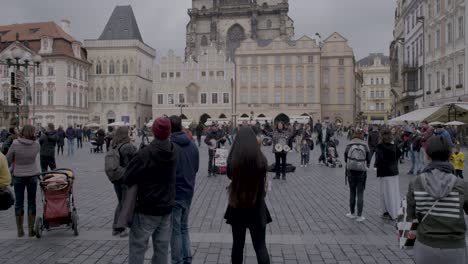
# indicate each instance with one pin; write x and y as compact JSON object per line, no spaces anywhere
{"x":308,"y":226}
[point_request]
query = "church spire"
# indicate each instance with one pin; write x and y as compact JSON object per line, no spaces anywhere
{"x":121,"y":25}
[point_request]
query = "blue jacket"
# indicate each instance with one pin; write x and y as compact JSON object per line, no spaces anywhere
{"x":187,"y":165}
{"x":447,"y":136}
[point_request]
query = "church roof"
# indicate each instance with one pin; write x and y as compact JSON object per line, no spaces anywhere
{"x":121,"y":25}
{"x":369,"y":60}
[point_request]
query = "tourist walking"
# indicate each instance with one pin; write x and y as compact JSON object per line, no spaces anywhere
{"x":280,"y":136}
{"x":199,"y":132}
{"x":439,"y":200}
{"x":323,"y":137}
{"x":247,"y":170}
{"x":48,"y":140}
{"x":70,"y":134}
{"x":122,"y":152}
{"x":100,"y":139}
{"x":60,"y":140}
{"x":79,"y":137}
{"x":305,"y":153}
{"x":188,"y":161}
{"x":23,"y":153}
{"x":414,"y":144}
{"x":426,"y":133}
{"x":387,"y":157}
{"x":13,"y":134}
{"x":358,"y":158}
{"x":153,"y":170}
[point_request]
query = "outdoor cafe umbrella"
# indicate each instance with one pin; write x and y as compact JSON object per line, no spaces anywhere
{"x":455,"y":123}
{"x":436,"y":123}
{"x":117,"y":124}
{"x":92,"y":125}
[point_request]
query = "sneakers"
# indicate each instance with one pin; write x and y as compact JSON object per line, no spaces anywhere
{"x":351,"y":216}
{"x":360,"y":219}
{"x":302,"y":166}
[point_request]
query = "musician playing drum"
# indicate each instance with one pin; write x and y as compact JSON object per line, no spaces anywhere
{"x":281,"y":148}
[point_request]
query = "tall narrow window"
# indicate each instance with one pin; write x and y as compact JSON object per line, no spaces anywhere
{"x":98,"y":95}
{"x":203,"y":98}
{"x":225,"y":98}
{"x":461,"y":79}
{"x":299,"y":76}
{"x":278,"y":76}
{"x":125,"y":67}
{"x":341,"y":77}
{"x":160,"y":99}
{"x":449,"y":33}
{"x":68,"y":70}
{"x":111,"y":94}
{"x":80,"y":100}
{"x":461,"y":27}
{"x":74,"y":71}
{"x":326,"y":77}
{"x":437,"y":39}
{"x":449,"y":77}
{"x":214,"y":98}
{"x":74,"y":99}
{"x":38,"y":97}
{"x":111,"y":67}
{"x":50,"y":97}
{"x":69,"y":96}
{"x":125,"y":94}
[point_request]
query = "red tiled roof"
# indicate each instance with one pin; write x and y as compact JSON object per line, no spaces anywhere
{"x":33,"y":31}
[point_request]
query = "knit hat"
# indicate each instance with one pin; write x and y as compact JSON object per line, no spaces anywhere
{"x":161,"y":128}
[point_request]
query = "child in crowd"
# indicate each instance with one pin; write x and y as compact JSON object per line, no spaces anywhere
{"x":305,"y":153}
{"x":458,"y":161}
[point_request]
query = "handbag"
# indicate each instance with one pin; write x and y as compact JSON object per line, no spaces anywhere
{"x":127,"y":212}
{"x":7,"y":199}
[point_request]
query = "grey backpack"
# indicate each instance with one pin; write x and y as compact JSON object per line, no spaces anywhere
{"x":357,"y":160}
{"x":112,"y":164}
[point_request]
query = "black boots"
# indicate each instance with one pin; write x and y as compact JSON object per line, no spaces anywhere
{"x":31,"y":220}
{"x":19,"y":225}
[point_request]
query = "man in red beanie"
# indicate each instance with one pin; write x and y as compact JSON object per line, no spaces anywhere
{"x":153,"y":170}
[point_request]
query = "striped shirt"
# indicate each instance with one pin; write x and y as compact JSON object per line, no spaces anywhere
{"x":449,"y":206}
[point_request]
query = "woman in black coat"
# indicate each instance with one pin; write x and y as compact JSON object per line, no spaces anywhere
{"x":247,"y":169}
{"x":61,"y":139}
{"x":387,"y":157}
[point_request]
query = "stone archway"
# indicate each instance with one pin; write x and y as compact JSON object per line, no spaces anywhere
{"x":204,"y":118}
{"x":235,"y":35}
{"x":282,"y":118}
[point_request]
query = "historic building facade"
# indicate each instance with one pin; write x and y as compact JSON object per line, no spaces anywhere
{"x":198,"y":90}
{"x":227,"y":23}
{"x":296,"y":78}
{"x":60,"y":82}
{"x":376,"y":96}
{"x":121,"y":76}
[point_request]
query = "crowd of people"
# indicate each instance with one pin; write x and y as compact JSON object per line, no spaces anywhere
{"x":158,"y":179}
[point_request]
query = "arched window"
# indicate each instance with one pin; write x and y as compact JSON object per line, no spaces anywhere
{"x":117,"y":67}
{"x":111,"y":94}
{"x":125,"y":94}
{"x":204,"y":41}
{"x":125,"y":67}
{"x":269,"y":24}
{"x":98,"y":95}
{"x":98,"y":68}
{"x":111,"y":67}
{"x":377,"y":81}
{"x":235,"y":35}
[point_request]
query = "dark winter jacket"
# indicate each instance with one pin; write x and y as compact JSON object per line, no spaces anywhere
{"x":280,"y":135}
{"x":100,"y":136}
{"x":444,"y":227}
{"x":48,"y":141}
{"x":70,"y":133}
{"x":153,"y":170}
{"x":387,"y":157}
{"x":212,"y":135}
{"x":415,"y":142}
{"x":79,"y":133}
{"x":373,"y":139}
{"x":329,"y":134}
{"x":61,"y":137}
{"x":187,"y":165}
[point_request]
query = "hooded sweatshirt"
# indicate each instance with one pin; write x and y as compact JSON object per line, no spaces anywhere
{"x":444,"y":226}
{"x":153,"y":170}
{"x":23,"y":152}
{"x":188,"y":161}
{"x":48,"y":141}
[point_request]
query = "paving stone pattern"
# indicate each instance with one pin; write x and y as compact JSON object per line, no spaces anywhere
{"x":308,"y":210}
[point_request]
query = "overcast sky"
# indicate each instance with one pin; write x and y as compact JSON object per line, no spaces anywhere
{"x":367,"y":24}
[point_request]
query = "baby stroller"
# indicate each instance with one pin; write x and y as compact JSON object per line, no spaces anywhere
{"x":95,"y":147}
{"x":58,"y":202}
{"x":332,"y":156}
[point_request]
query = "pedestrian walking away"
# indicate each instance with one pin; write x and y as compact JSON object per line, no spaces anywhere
{"x":212,"y":140}
{"x":79,"y":137}
{"x":358,"y":159}
{"x":70,"y":134}
{"x":438,"y":199}
{"x":373,"y":140}
{"x":48,"y":140}
{"x":23,"y":153}
{"x":188,"y":161}
{"x":153,"y":171}
{"x":247,"y":170}
{"x":458,"y":161}
{"x":60,"y":140}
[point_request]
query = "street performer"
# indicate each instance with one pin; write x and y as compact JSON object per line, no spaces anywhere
{"x":280,"y":138}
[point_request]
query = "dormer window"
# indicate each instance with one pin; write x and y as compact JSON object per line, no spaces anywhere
{"x":46,"y":45}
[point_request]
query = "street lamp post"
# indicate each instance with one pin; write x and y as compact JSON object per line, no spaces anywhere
{"x":182,"y":106}
{"x":16,"y":59}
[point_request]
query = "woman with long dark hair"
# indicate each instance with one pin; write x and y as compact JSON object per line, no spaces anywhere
{"x":247,"y":169}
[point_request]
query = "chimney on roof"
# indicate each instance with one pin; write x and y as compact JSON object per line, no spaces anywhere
{"x":65,"y":25}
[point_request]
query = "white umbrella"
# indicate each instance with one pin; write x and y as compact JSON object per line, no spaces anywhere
{"x":455,"y":123}
{"x":117,"y":124}
{"x":436,"y":123}
{"x":150,"y":123}
{"x":92,"y":125}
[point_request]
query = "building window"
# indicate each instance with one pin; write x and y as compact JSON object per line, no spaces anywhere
{"x":429,"y":45}
{"x":111,"y":94}
{"x":254,"y":76}
{"x":288,"y":76}
{"x":278,"y":76}
{"x":341,"y":62}
{"x":111,"y":68}
{"x":203,"y":73}
{"x":74,"y":72}
{"x":160,"y":99}
{"x":214,"y":98}
{"x":6,"y":96}
{"x":341,"y":96}
{"x":429,"y":82}
{"x":163,"y":75}
{"x":372,"y":94}
{"x":38,"y":98}
{"x":461,"y":79}
{"x":438,"y":6}
{"x":438,"y":81}
{"x":299,"y":76}
{"x":211,"y":73}
{"x":377,"y":81}
{"x":204,"y":41}
{"x":86,"y":101}
{"x":181,"y":98}
{"x":98,"y":96}
{"x":341,"y":77}
{"x":421,"y":46}
{"x":225,"y":98}
{"x":81,"y":73}
{"x":125,"y":67}
{"x":326,"y":77}
{"x":461,"y":27}
{"x":171,"y":75}
{"x":244,"y":96}
{"x":125,"y":94}
{"x":203,"y":98}
{"x":81,"y":100}
{"x":98,"y":68}
{"x":170,"y":99}
{"x":269,"y":24}
{"x":382,"y":81}
{"x":220,"y":73}
{"x":449,"y":77}
{"x":74,"y":99}
{"x":50,"y":71}
{"x":50,"y":97}
{"x":449,"y":33}
{"x":326,"y":95}
{"x":68,"y":70}
{"x":177,"y":74}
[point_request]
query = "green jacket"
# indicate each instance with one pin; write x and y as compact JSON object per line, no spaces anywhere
{"x":444,"y":227}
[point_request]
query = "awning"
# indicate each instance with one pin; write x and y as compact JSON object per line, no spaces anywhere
{"x":451,"y":112}
{"x":415,"y":116}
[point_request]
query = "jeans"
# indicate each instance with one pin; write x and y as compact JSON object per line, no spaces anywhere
{"x":120,"y":189}
{"x":47,"y":162}
{"x":71,"y":147}
{"x":30,"y":185}
{"x":59,"y":147}
{"x":305,"y":159}
{"x":211,"y":162}
{"x":180,"y":241}
{"x":258,"y":240}
{"x":199,"y":140}
{"x":416,"y":163}
{"x":79,"y":143}
{"x":323,"y":156}
{"x":280,"y":164}
{"x":459,"y":173}
{"x":357,"y":185}
{"x":144,"y":227}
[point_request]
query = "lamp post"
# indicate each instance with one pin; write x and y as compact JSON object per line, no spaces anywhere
{"x":182,"y":106}
{"x":16,"y":59}
{"x":422,"y":20}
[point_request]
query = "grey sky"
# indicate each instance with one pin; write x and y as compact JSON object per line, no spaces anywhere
{"x":367,"y":24}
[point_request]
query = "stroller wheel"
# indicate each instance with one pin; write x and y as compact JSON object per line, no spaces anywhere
{"x":74,"y":219}
{"x":38,"y":227}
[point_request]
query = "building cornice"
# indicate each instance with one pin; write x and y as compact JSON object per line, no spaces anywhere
{"x":112,"y":44}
